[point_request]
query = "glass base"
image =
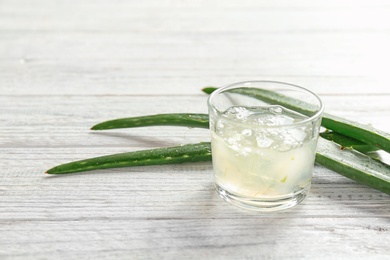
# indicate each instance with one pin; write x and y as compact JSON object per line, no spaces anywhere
{"x":264,"y":204}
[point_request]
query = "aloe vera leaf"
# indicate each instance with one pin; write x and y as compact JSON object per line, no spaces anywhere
{"x":346,"y":142}
{"x":354,"y":165}
{"x":169,"y":155}
{"x":209,"y":90}
{"x":188,"y":120}
{"x":363,"y":133}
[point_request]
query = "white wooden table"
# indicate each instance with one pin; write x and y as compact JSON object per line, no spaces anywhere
{"x":66,"y":65}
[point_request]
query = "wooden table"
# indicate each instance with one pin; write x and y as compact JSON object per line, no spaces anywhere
{"x":66,"y":65}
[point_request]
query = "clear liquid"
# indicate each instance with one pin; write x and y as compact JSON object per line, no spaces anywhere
{"x":252,"y":159}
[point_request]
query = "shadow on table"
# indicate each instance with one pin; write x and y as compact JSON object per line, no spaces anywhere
{"x":146,"y":141}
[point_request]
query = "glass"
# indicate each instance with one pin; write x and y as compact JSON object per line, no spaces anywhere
{"x":263,"y":148}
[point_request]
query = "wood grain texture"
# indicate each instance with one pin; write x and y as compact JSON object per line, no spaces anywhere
{"x":67,"y":65}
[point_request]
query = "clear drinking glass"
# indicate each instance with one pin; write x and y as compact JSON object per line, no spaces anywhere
{"x":264,"y":136}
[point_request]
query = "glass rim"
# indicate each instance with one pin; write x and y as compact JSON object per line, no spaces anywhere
{"x":220,"y":90}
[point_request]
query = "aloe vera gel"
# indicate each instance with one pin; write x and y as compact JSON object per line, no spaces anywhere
{"x":263,"y":153}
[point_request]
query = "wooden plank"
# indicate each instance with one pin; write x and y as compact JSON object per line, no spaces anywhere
{"x":76,"y":48}
{"x":168,"y":235}
{"x":130,"y":78}
{"x":176,"y":16}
